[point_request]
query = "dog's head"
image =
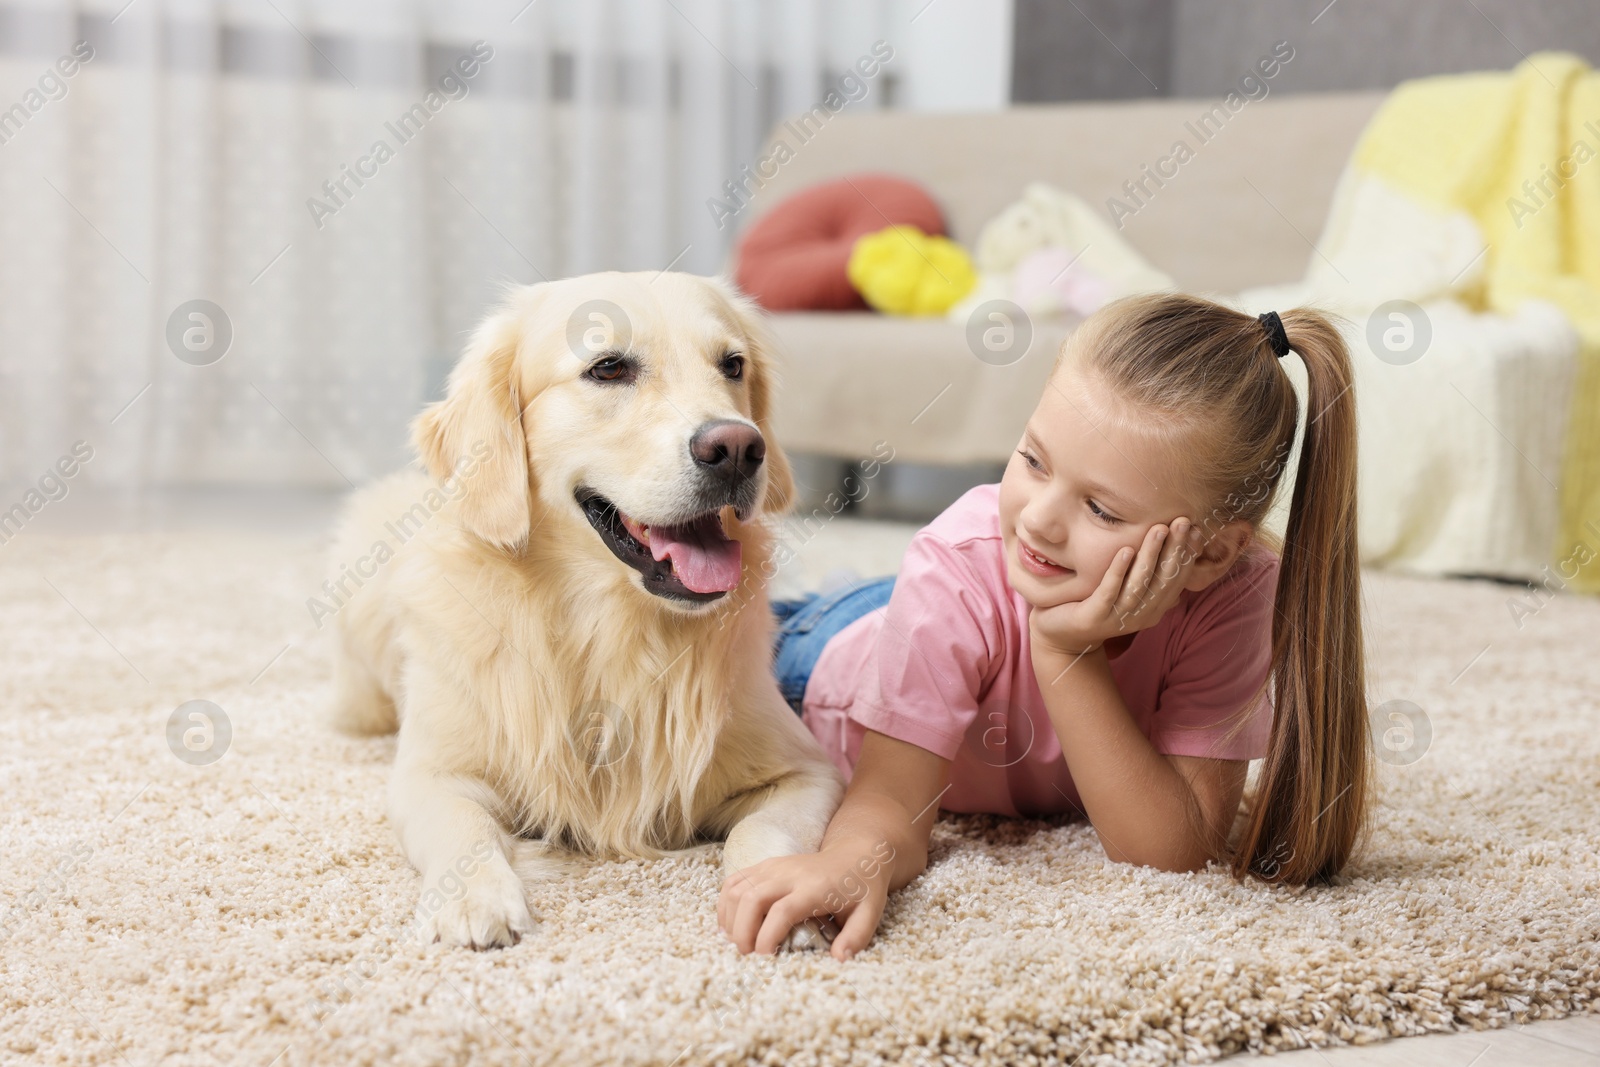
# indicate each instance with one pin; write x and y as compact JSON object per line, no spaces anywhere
{"x":627,"y":412}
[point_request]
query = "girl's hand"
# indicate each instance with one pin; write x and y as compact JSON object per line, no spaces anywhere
{"x":1134,"y":593}
{"x":850,"y":882}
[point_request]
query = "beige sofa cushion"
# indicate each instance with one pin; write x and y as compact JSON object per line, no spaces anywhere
{"x":850,"y":380}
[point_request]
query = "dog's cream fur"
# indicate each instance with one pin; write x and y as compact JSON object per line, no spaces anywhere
{"x":539,"y":691}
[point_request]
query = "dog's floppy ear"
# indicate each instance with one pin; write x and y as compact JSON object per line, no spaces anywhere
{"x":475,"y":435}
{"x":763,"y":383}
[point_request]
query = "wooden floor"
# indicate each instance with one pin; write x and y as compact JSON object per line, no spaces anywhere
{"x":1570,"y":1042}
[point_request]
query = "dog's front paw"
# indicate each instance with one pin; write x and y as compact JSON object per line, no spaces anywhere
{"x":816,"y":934}
{"x":487,"y":909}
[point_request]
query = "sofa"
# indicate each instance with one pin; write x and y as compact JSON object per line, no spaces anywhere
{"x":1243,"y":214}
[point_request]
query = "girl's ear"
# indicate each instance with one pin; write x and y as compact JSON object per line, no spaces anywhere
{"x":1218,"y":553}
{"x":475,"y":434}
{"x":763,"y":384}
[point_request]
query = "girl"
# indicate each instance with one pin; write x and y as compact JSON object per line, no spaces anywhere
{"x":1096,"y":633}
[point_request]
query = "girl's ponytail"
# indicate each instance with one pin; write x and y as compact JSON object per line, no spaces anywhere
{"x":1210,"y":376}
{"x":1313,"y":797}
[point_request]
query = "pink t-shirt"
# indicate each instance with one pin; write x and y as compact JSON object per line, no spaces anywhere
{"x":946,"y":666}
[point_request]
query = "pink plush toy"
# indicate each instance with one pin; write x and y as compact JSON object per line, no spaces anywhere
{"x":1050,"y":280}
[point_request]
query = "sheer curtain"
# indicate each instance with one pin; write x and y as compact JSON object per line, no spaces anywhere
{"x":342,"y":185}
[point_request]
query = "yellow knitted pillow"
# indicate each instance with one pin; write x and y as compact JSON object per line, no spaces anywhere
{"x":903,"y":271}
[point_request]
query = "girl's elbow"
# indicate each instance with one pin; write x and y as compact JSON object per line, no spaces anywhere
{"x":1174,"y":863}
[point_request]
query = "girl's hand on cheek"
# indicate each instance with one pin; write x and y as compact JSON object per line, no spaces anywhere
{"x":1135,"y":592}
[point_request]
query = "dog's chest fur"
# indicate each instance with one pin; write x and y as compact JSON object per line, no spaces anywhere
{"x":602,"y":731}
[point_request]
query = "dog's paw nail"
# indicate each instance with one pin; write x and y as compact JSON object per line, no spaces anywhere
{"x":491,"y":913}
{"x":813,"y":934}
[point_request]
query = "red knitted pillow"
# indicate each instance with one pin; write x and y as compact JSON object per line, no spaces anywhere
{"x":793,"y":258}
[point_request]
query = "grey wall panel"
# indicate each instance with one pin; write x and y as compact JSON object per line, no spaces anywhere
{"x":1091,"y":50}
{"x":1369,"y":44}
{"x":1103,"y":49}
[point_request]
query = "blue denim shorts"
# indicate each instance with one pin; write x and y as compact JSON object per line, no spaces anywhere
{"x":806,"y":624}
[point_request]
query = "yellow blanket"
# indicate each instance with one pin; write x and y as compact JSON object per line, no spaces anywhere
{"x":1519,"y":153}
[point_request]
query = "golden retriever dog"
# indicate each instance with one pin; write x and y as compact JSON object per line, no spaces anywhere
{"x":566,"y":618}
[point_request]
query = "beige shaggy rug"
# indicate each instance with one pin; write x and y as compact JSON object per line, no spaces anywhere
{"x":249,"y":910}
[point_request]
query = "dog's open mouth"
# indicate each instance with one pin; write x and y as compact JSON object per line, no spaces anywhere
{"x":695,"y":560}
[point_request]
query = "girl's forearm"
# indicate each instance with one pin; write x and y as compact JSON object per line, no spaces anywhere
{"x":878,"y":826}
{"x":1142,"y":808}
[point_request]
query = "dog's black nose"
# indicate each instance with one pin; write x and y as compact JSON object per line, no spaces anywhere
{"x":727,"y":448}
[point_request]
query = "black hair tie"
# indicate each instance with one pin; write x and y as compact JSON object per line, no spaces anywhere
{"x":1275,"y":332}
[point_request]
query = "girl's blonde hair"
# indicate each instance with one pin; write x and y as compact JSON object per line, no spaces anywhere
{"x":1228,"y":411}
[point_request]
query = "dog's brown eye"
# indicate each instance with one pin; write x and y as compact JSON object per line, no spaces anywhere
{"x":733,"y":366}
{"x":610,"y":369}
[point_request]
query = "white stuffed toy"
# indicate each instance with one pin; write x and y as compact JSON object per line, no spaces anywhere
{"x":1051,"y":253}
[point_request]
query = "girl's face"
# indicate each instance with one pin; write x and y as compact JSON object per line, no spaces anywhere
{"x":1084,"y":482}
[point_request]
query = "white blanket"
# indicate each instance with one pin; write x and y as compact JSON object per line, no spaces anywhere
{"x":1461,"y":445}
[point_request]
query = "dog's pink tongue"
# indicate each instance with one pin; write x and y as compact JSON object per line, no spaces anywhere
{"x":705,"y":560}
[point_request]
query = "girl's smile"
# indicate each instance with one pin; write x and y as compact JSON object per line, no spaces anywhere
{"x":1039,"y":563}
